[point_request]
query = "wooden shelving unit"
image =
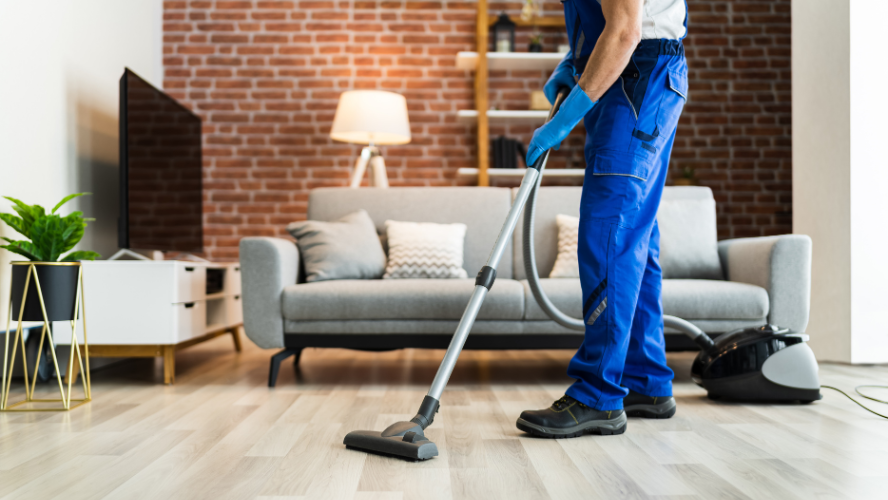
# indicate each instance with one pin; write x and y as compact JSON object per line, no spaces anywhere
{"x":511,"y":60}
{"x":518,"y":173}
{"x":482,"y":61}
{"x":519,"y":116}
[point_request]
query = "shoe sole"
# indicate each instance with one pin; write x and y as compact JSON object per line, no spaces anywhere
{"x":603,"y":427}
{"x":662,"y":410}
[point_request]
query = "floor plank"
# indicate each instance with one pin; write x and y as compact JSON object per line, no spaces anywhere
{"x":220,"y":432}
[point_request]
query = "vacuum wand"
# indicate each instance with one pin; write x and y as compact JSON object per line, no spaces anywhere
{"x":406,"y":439}
{"x":487,"y":275}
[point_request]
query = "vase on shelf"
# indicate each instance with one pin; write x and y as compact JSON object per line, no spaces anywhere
{"x":536,"y":43}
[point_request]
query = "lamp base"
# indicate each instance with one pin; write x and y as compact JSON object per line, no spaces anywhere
{"x":378,"y":177}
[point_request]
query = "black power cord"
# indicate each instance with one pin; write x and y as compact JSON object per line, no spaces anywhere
{"x":858,"y":403}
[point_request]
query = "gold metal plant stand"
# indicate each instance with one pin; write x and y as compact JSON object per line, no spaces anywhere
{"x":67,"y":403}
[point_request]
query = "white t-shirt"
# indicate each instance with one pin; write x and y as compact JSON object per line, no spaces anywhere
{"x":663,"y":19}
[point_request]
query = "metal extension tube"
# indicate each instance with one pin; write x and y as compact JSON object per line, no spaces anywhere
{"x":484,"y":281}
{"x":471,"y":312}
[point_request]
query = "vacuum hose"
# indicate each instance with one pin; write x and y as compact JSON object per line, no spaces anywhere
{"x":533,"y":276}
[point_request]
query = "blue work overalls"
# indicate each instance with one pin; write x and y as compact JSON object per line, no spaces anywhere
{"x":629,"y":139}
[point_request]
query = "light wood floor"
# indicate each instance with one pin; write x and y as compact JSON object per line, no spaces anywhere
{"x":221,"y":433}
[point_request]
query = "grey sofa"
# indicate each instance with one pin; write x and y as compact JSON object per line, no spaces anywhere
{"x":752,"y":280}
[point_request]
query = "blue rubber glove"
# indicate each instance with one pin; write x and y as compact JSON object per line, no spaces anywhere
{"x":550,"y":135}
{"x":563,"y":76}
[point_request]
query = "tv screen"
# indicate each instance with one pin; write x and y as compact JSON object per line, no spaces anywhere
{"x":160,"y":170}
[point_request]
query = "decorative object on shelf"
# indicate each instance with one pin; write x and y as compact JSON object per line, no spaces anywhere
{"x":375,"y":118}
{"x":538,"y":101}
{"x":46,"y":290}
{"x":504,"y":34}
{"x":531,"y":10}
{"x":687,"y":177}
{"x":563,"y":48}
{"x":536,"y":44}
{"x":482,"y":60}
{"x":506,"y":151}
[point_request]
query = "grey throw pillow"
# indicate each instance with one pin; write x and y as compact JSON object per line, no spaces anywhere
{"x":347,"y":248}
{"x":689,"y":239}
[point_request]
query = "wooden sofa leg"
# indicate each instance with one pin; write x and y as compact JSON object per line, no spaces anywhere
{"x":276,"y":364}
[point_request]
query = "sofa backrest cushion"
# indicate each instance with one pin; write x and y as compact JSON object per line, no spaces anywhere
{"x":483,"y":210}
{"x":688,"y":238}
{"x":551,"y":201}
{"x":688,"y":234}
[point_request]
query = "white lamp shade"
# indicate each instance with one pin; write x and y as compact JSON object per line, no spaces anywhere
{"x":371,"y":116}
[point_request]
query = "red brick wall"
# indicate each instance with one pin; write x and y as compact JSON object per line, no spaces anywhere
{"x":735,"y":130}
{"x":265,"y":76}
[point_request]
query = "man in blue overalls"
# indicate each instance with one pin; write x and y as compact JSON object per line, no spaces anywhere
{"x":628,"y":79}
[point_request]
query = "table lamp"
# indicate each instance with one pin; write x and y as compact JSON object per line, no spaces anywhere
{"x":374,"y":118}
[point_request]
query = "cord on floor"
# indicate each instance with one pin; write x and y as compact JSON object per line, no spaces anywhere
{"x":858,"y":403}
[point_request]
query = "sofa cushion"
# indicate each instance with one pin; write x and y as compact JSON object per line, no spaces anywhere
{"x":688,"y":247}
{"x":566,"y":263}
{"x":425,"y":250}
{"x":687,"y":299}
{"x":551,"y":201}
{"x":347,"y":248}
{"x":688,"y":235}
{"x":565,"y":293}
{"x":483,"y":210}
{"x":710,"y":299}
{"x":399,"y":299}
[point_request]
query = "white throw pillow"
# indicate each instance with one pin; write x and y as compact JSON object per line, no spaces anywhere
{"x":566,"y":265}
{"x":424,"y":250}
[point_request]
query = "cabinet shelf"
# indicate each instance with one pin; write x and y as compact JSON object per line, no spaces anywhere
{"x":511,"y":60}
{"x":525,"y":116}
{"x":517,"y":173}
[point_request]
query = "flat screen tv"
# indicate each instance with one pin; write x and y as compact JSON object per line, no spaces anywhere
{"x":160,"y":170}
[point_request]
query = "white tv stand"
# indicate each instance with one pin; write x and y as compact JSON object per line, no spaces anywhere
{"x":153,"y":308}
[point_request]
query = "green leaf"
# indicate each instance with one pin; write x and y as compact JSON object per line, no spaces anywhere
{"x":46,"y":234}
{"x":16,"y":223}
{"x":28,"y":213}
{"x":51,"y":235}
{"x":81,"y":255}
{"x":24,"y":248}
{"x":73,"y":230}
{"x":66,"y":199}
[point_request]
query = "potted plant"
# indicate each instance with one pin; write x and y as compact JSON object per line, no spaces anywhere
{"x":535,"y":43}
{"x":48,"y":237}
{"x":687,"y":177}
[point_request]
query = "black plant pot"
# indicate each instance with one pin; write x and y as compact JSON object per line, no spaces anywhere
{"x":535,"y":47}
{"x":58,"y":284}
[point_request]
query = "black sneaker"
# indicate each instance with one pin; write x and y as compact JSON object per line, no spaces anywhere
{"x":567,"y":418}
{"x":639,"y":405}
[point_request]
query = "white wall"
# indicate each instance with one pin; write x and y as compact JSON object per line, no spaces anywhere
{"x":869,"y":184}
{"x":840,"y":176}
{"x":58,"y":105}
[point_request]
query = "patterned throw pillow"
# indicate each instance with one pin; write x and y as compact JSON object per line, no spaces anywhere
{"x":566,"y":265}
{"x":424,"y":250}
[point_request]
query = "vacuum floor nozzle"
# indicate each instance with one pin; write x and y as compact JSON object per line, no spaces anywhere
{"x":412,"y":445}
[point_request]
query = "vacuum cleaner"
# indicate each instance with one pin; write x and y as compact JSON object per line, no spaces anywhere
{"x":764,"y":363}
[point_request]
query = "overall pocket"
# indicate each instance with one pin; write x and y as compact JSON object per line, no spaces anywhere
{"x":614,"y":187}
{"x":674,"y":98}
